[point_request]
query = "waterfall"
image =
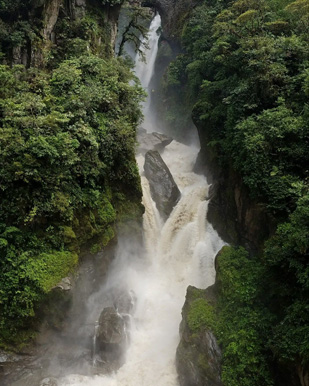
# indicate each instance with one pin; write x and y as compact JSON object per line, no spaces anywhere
{"x":94,"y":343}
{"x":144,"y":69}
{"x":177,"y":253}
{"x":145,"y":286}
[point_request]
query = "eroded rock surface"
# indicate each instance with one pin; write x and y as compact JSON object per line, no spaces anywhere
{"x":163,"y":188}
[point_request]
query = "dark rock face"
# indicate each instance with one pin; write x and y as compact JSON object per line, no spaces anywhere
{"x":164,"y":190}
{"x":198,"y":357}
{"x":152,"y":141}
{"x":172,"y":13}
{"x":234,"y":215}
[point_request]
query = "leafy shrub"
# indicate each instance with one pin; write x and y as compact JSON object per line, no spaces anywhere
{"x":67,"y":151}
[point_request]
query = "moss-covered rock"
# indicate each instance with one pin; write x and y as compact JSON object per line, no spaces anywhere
{"x":198,"y":354}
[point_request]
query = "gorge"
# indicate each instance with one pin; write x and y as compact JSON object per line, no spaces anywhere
{"x":69,"y":118}
{"x":176,"y":252}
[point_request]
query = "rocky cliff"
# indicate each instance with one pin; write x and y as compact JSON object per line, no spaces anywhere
{"x":237,"y":218}
{"x":67,"y":99}
{"x":38,"y":25}
{"x":173,"y":14}
{"x":233,"y":213}
{"x":198,"y":358}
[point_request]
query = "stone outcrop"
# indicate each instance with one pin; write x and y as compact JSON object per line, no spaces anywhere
{"x":173,"y":14}
{"x":65,"y":284}
{"x":232,"y":212}
{"x":45,"y":15}
{"x":111,"y":339}
{"x":163,"y":188}
{"x":124,"y":301}
{"x":198,"y":357}
{"x":50,"y":17}
{"x":111,"y":331}
{"x":152,"y":141}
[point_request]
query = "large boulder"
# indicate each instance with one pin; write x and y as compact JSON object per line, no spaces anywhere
{"x":111,"y":329}
{"x":163,"y":188}
{"x":111,"y":337}
{"x":198,"y":357}
{"x":152,"y":141}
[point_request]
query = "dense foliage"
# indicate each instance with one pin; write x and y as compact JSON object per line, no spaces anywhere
{"x":248,"y":66}
{"x":244,"y":73}
{"x":248,"y":331}
{"x":68,"y":168}
{"x":242,"y":323}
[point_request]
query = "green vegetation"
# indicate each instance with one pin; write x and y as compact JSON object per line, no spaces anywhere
{"x":250,"y":87}
{"x":286,"y":258}
{"x":258,"y":317}
{"x":244,"y":77}
{"x":136,"y":30}
{"x":243,"y":326}
{"x":200,"y":315}
{"x":68,"y":171}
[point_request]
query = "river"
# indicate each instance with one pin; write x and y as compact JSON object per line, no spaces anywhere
{"x":176,"y":253}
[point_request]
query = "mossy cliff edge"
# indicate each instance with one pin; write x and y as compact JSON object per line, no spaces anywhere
{"x":68,"y":114}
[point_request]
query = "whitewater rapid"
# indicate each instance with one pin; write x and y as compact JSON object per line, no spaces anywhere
{"x":176,"y":253}
{"x":179,"y":252}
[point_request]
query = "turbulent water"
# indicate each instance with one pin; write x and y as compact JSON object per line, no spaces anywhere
{"x":174,"y":254}
{"x":178,"y":253}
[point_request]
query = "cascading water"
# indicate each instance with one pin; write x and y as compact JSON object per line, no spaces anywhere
{"x":153,"y":276}
{"x":179,"y":252}
{"x":144,"y":69}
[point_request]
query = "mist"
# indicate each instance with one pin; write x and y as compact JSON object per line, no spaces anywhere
{"x":151,"y":272}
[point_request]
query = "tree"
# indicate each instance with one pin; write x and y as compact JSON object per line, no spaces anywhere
{"x":136,"y":31}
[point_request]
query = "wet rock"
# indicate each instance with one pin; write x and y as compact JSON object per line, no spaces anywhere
{"x":65,"y":284}
{"x":49,"y":382}
{"x":198,"y":357}
{"x":124,"y":301}
{"x":152,"y":141}
{"x":111,"y":329}
{"x":6,"y":357}
{"x":111,"y":337}
{"x":163,"y":188}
